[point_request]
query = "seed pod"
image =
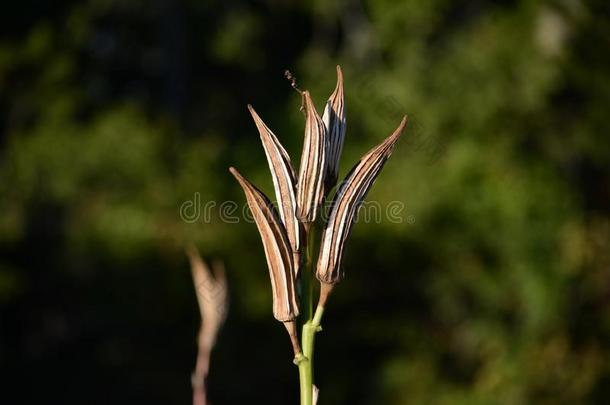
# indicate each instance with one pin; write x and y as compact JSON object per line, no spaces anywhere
{"x":345,"y":206}
{"x":313,"y":164}
{"x":283,"y":180}
{"x":277,"y":250}
{"x":334,"y":121}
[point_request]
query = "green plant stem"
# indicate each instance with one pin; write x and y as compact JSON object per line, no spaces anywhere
{"x":311,"y":322}
{"x":310,"y":328}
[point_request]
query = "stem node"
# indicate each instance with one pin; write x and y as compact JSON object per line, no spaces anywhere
{"x":299,"y":358}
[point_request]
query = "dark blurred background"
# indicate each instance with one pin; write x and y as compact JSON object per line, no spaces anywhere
{"x":493,"y":287}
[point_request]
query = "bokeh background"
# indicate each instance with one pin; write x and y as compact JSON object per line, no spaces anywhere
{"x":493,"y":288}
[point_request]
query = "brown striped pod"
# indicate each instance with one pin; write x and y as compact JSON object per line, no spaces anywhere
{"x":345,"y":207}
{"x":310,"y":187}
{"x":334,"y":122}
{"x":284,"y":183}
{"x":277,"y":250}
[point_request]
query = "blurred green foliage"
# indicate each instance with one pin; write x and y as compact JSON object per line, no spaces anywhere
{"x":493,"y":288}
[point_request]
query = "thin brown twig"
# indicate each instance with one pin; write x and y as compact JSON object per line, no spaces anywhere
{"x":293,"y":83}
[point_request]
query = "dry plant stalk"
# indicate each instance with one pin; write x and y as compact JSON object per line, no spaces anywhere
{"x":211,"y":291}
{"x":288,"y":235}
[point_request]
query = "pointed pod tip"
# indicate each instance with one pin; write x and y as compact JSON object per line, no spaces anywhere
{"x":339,"y":73}
{"x":401,"y":126}
{"x":252,"y":111}
{"x":391,"y":140}
{"x":241,"y":179}
{"x":245,"y":184}
{"x":234,"y":171}
{"x":262,"y":128}
{"x":338,"y":92}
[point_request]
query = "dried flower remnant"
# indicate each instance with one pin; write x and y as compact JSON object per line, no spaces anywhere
{"x":345,"y":206}
{"x":334,"y":121}
{"x":313,"y":164}
{"x":211,"y":292}
{"x":277,"y":251}
{"x":284,"y":182}
{"x":212,"y":298}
